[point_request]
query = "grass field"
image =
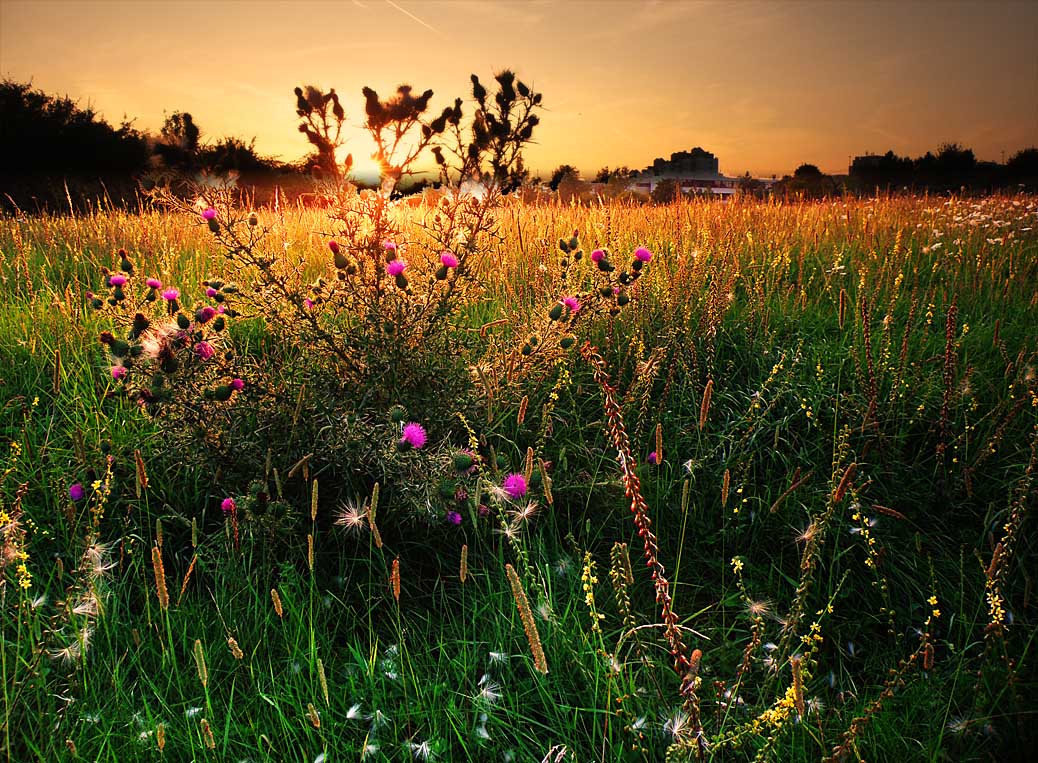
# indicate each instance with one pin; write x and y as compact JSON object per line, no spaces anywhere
{"x":828,"y":411}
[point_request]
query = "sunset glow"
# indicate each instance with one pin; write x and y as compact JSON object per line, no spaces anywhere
{"x":763,"y":85}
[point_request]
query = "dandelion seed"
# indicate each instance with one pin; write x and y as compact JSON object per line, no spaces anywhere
{"x":489,"y":693}
{"x":191,"y":712}
{"x":351,"y":516}
{"x":354,"y":713}
{"x":497,"y":658}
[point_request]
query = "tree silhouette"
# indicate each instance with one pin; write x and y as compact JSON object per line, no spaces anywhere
{"x":178,"y":141}
{"x":321,"y":119}
{"x":43,"y":134}
{"x":561,"y":173}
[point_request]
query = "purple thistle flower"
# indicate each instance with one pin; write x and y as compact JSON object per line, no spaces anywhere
{"x":483,"y":510}
{"x":413,"y":435}
{"x":642,"y":254}
{"x":209,"y":213}
{"x":454,"y":518}
{"x":389,"y":246}
{"x":210,"y":292}
{"x":153,"y":283}
{"x":572,"y":303}
{"x":449,"y":260}
{"x":118,"y":372}
{"x":170,"y":294}
{"x":652,"y":458}
{"x":117,"y":280}
{"x":204,"y":350}
{"x":308,"y":303}
{"x":205,"y":314}
{"x":76,"y":492}
{"x":396,"y":267}
{"x":229,"y":506}
{"x":334,"y":246}
{"x":514,"y":485}
{"x":237,"y":384}
{"x":597,"y":255}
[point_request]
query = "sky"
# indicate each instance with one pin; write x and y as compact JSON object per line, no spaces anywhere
{"x":765,"y":86}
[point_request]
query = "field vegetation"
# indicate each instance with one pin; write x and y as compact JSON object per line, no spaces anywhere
{"x":486,"y":480}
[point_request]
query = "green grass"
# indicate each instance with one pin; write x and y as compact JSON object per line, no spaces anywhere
{"x":745,"y":295}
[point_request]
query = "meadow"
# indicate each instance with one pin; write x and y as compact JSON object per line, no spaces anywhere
{"x":759,"y":487}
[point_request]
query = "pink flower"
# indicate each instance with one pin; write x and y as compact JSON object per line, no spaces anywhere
{"x":514,"y":485}
{"x":154,"y":283}
{"x":448,"y":259}
{"x":237,"y":384}
{"x":210,"y":292}
{"x":76,"y":492}
{"x":652,"y":459}
{"x":597,"y":255}
{"x":572,"y":303}
{"x":209,"y":214}
{"x":205,"y":314}
{"x":389,"y":246}
{"x":117,"y":280}
{"x":170,"y":294}
{"x":334,"y":246}
{"x":642,"y":254}
{"x":454,"y":518}
{"x":118,"y":372}
{"x":228,"y":505}
{"x":413,"y":435}
{"x":396,"y":267}
{"x":309,"y":303}
{"x":204,"y":350}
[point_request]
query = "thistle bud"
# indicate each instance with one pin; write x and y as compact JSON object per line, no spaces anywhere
{"x":556,"y":312}
{"x":222,"y":393}
{"x":253,"y":220}
{"x":441,"y":273}
{"x":213,"y":225}
{"x":219,"y":323}
{"x":119,"y":348}
{"x":397,"y":413}
{"x":527,"y":349}
{"x":502,"y":462}
{"x":622,"y":299}
{"x":567,"y":341}
{"x":401,"y":281}
{"x":183,"y":322}
{"x":606,"y":291}
{"x":563,"y":245}
{"x":341,"y":261}
{"x":463,"y":461}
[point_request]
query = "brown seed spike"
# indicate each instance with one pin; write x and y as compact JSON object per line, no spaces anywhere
{"x":659,"y":443}
{"x":726,"y":483}
{"x":160,"y":577}
{"x":704,"y":408}
{"x":464,"y":571}
{"x":526,"y":615}
{"x":394,"y":579}
{"x":276,"y":599}
{"x":845,"y":483}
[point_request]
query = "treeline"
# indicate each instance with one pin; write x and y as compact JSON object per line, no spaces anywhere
{"x":952,"y":168}
{"x":54,"y":152}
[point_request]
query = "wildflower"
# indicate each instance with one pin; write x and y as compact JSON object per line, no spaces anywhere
{"x":389,"y":246}
{"x":334,"y":246}
{"x":652,"y":458}
{"x":514,"y":485}
{"x":229,"y":506}
{"x":597,"y":255}
{"x":76,"y":492}
{"x":208,"y":213}
{"x":210,"y":292}
{"x":309,"y":303}
{"x":206,"y":314}
{"x":237,"y":384}
{"x":118,"y":372}
{"x":153,"y":283}
{"x":117,"y":280}
{"x":572,"y":303}
{"x":413,"y":435}
{"x":642,"y":254}
{"x":204,"y":350}
{"x":465,"y":461}
{"x":448,"y":260}
{"x":396,"y":267}
{"x":454,"y":517}
{"x":170,"y":294}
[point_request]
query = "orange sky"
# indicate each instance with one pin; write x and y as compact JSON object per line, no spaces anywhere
{"x":764,"y":85}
